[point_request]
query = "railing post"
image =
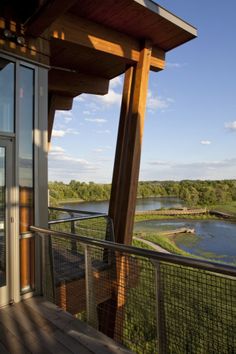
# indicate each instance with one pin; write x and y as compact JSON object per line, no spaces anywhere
{"x":48,"y":280}
{"x":72,"y":230}
{"x":159,"y":319}
{"x":91,"y":308}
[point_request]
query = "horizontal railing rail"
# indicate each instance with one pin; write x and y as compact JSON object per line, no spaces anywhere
{"x":76,"y":211}
{"x":59,"y":221}
{"x":158,"y":256}
{"x":85,"y":223}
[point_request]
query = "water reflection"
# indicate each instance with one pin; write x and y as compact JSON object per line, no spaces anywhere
{"x":214,"y":239}
{"x":7,"y":85}
{"x":141,"y":204}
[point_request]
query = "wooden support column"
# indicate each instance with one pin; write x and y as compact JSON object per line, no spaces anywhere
{"x":128,"y":151}
{"x":120,"y":146}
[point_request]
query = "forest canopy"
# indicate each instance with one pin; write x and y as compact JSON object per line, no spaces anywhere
{"x":194,"y":193}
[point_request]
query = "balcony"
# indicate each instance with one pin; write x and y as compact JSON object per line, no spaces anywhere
{"x":38,"y":326}
{"x":148,"y":302}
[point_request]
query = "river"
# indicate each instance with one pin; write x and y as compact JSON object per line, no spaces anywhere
{"x":141,"y":204}
{"x":214,"y":239}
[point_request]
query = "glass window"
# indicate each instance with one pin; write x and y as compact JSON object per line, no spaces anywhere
{"x":2,"y":217}
{"x":26,"y":175}
{"x":7,"y":84}
{"x":26,"y":118}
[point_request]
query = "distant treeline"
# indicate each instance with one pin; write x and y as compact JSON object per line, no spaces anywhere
{"x":192,"y":192}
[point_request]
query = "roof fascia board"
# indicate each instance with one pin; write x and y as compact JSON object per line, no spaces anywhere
{"x":152,"y":6}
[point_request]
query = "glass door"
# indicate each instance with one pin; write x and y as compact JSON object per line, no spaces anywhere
{"x":6,"y":171}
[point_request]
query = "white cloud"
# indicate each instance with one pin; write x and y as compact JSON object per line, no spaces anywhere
{"x":96,"y":120}
{"x":169,"y":170}
{"x":64,"y":167}
{"x":160,"y":163}
{"x":102,"y":149}
{"x":95,"y":103}
{"x":72,"y":131}
{"x":105,"y":131}
{"x":231,"y":126}
{"x":155,"y":102}
{"x":205,"y":142}
{"x":117,"y":81}
{"x":56,"y":150}
{"x":90,"y":104}
{"x":175,"y":65}
{"x":98,"y":150}
{"x":112,"y":98}
{"x":56,"y":133}
{"x":64,"y":113}
{"x":59,"y":158}
{"x":67,"y":116}
{"x":79,"y":98}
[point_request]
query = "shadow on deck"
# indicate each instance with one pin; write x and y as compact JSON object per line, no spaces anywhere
{"x":38,"y":326}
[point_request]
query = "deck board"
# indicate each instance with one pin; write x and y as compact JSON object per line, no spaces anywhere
{"x":38,"y":326}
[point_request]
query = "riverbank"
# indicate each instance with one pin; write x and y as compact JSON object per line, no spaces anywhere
{"x":212,"y":239}
{"x":151,"y":245}
{"x":167,"y":244}
{"x":229,"y":208}
{"x":164,"y":241}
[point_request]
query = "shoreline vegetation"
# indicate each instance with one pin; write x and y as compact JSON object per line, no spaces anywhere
{"x":193,"y":193}
{"x":216,"y":196}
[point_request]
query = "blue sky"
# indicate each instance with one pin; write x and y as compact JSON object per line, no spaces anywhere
{"x":190,"y":126}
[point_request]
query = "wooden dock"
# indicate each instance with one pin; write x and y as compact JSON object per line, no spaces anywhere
{"x":182,"y":230}
{"x":38,"y":326}
{"x":173,"y":212}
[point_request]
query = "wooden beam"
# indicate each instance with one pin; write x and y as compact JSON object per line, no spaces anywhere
{"x":128,"y":156}
{"x":57,"y":102}
{"x":72,"y":83}
{"x":46,"y":15}
{"x":34,"y":49}
{"x":86,"y":33}
{"x":120,"y":146}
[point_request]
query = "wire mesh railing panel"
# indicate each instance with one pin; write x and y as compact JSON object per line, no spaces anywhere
{"x":148,"y":301}
{"x":137,"y":314}
{"x":69,"y":274}
{"x":112,"y":291}
{"x":99,"y":228}
{"x":198,"y":311}
{"x":125,"y":299}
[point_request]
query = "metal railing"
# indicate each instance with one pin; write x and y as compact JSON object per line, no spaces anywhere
{"x":150,"y":302}
{"x":84,"y":223}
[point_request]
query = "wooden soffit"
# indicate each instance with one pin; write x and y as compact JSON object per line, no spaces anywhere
{"x":141,"y":19}
{"x":76,"y":37}
{"x":109,"y":31}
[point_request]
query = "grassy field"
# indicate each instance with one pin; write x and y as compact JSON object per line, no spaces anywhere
{"x":165,"y":242}
{"x":229,"y":208}
{"x":145,"y":217}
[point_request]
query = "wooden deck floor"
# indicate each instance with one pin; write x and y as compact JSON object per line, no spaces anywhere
{"x":38,"y":326}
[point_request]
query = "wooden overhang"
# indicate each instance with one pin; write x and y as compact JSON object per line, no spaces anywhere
{"x":91,"y":40}
{"x":86,"y":43}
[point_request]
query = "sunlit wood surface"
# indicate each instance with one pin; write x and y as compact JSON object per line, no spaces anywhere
{"x":38,"y":326}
